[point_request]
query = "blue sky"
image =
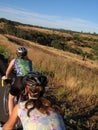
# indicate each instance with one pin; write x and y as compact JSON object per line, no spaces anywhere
{"x":75,"y":15}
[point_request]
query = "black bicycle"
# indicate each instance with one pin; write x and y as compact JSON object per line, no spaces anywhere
{"x":6,"y":84}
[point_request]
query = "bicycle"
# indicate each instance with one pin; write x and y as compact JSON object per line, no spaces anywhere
{"x":6,"y":85}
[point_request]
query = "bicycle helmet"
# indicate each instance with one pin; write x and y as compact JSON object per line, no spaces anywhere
{"x":35,"y":79}
{"x":21,"y":51}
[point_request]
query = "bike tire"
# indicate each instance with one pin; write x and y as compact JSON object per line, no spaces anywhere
{"x":5,"y":99}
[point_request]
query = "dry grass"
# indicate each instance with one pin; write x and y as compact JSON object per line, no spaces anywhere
{"x":69,"y":76}
{"x":1,"y":25}
{"x":88,"y":35}
{"x":67,"y":67}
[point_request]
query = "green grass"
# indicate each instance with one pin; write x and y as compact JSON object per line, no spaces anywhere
{"x":5,"y":52}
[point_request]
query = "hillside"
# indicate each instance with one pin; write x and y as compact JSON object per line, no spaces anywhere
{"x":81,"y":44}
{"x":70,"y":57}
{"x":79,"y":97}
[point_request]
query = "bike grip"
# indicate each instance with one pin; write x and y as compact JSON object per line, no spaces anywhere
{"x":2,"y":82}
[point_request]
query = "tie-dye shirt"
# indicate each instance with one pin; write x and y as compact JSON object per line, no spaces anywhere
{"x":22,"y":66}
{"x":39,"y":121}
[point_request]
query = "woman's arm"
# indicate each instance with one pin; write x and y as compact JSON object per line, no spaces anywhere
{"x":11,"y":64}
{"x":9,"y":125}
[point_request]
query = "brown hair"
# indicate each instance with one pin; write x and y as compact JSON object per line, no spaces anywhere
{"x":41,"y":103}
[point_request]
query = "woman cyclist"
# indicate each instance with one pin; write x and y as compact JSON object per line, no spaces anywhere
{"x":37,"y":112}
{"x":22,"y":65}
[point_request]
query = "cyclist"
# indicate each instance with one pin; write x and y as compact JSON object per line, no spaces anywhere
{"x":37,"y":112}
{"x":23,"y":65}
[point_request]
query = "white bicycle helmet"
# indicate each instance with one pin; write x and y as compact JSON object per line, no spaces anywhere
{"x":21,"y":51}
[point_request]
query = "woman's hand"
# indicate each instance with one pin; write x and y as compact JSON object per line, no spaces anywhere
{"x":4,"y":77}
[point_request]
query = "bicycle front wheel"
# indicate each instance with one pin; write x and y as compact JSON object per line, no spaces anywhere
{"x":5,"y":100}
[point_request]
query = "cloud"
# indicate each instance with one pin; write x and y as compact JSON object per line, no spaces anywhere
{"x":78,"y":25}
{"x":74,"y":24}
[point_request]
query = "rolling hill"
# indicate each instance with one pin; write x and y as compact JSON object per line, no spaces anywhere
{"x":69,"y":47}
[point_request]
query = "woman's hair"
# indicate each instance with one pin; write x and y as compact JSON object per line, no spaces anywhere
{"x":35,"y":84}
{"x":44,"y":105}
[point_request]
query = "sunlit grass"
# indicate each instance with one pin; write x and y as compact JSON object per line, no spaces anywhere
{"x":75,"y":84}
{"x":67,"y":74}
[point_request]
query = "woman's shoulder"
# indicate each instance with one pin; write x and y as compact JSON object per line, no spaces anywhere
{"x":12,"y":61}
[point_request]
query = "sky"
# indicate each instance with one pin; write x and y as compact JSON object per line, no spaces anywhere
{"x":75,"y":15}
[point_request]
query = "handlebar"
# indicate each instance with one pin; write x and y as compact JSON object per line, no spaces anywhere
{"x":8,"y":81}
{"x":2,"y":82}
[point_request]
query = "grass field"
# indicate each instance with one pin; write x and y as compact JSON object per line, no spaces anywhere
{"x":72,"y":80}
